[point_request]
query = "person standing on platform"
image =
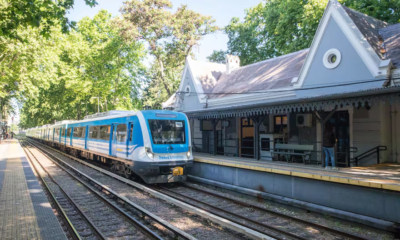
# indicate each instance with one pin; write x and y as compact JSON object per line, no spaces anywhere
{"x":329,"y":143}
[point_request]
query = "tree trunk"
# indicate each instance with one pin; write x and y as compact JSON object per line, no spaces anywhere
{"x":78,"y":112}
{"x":163,"y":77}
{"x":106,"y":105}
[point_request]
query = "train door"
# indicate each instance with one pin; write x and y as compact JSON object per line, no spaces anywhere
{"x":129,"y":138}
{"x":86,"y":136}
{"x":113,"y":140}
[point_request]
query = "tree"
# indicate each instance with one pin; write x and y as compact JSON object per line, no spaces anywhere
{"x":170,"y":37}
{"x":277,"y":27}
{"x":34,"y":13}
{"x":217,"y":56}
{"x":91,"y":61}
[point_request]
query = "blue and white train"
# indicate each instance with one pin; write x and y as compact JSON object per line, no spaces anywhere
{"x":152,"y":144}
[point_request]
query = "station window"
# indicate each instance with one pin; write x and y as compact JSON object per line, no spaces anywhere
{"x":94,"y":132}
{"x":121,"y":133}
{"x":247,"y":122}
{"x":280,"y":123}
{"x":105,"y":132}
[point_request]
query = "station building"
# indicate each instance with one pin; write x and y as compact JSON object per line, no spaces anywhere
{"x":350,"y":74}
{"x":259,"y":128}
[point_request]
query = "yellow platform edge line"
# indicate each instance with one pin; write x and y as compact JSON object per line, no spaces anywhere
{"x":355,"y":182}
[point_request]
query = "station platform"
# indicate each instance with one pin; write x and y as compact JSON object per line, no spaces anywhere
{"x":372,"y":191}
{"x":25,"y":212}
{"x":382,"y":176}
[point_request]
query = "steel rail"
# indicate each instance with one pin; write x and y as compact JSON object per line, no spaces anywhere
{"x":176,"y":231}
{"x":71,"y":229}
{"x":146,"y":231}
{"x":173,"y":195}
{"x":316,"y":225}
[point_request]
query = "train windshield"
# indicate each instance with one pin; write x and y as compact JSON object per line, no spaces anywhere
{"x":167,"y":131}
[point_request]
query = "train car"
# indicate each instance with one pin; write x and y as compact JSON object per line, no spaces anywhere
{"x":152,"y":144}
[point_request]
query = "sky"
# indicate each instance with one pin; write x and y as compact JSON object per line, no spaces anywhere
{"x":221,"y":10}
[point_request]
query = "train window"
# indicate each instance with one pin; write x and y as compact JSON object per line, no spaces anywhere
{"x":77,"y":132}
{"x":105,"y":132}
{"x":121,"y":133}
{"x":83,"y":132}
{"x":167,"y":131}
{"x":69,"y":132}
{"x":94,"y":132}
{"x":62,"y":132}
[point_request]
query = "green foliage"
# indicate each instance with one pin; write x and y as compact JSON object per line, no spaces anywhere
{"x":170,"y":37}
{"x":34,"y":13}
{"x":217,"y":56}
{"x":91,"y":61}
{"x":385,"y":10}
{"x":277,"y":27}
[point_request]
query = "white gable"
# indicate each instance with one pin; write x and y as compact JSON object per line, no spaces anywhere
{"x":334,"y":10}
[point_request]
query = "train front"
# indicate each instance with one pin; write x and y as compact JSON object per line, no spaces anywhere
{"x":167,"y":146}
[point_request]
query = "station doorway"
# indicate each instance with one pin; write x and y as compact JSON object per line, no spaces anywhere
{"x":247,"y":137}
{"x":340,"y":122}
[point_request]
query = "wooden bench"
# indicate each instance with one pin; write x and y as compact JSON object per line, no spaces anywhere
{"x":288,"y":150}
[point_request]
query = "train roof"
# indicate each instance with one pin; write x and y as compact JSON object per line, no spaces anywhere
{"x":111,"y":115}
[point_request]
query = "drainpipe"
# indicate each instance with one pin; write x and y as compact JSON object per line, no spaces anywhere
{"x":393,"y":119}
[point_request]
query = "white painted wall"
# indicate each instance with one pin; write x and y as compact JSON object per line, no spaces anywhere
{"x":366,"y":131}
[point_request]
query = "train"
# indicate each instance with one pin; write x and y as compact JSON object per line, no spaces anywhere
{"x":152,"y":145}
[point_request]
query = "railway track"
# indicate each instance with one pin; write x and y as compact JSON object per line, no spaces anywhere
{"x":275,"y":224}
{"x":92,"y":210}
{"x":267,"y":222}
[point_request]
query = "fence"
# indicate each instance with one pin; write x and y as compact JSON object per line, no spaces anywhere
{"x":245,"y":148}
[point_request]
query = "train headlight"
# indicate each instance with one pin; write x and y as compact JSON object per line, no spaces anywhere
{"x":149,"y":153}
{"x":189,"y":153}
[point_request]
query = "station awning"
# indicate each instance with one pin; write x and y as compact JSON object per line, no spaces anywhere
{"x":361,"y":98}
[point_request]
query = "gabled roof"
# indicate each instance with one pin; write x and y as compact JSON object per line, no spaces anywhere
{"x":368,"y":26}
{"x":170,"y":103}
{"x":272,"y":73}
{"x":288,"y":72}
{"x":206,"y":73}
{"x":391,"y":36}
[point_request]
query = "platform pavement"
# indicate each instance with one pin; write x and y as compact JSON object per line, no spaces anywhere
{"x":382,"y":176}
{"x":25,"y":212}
